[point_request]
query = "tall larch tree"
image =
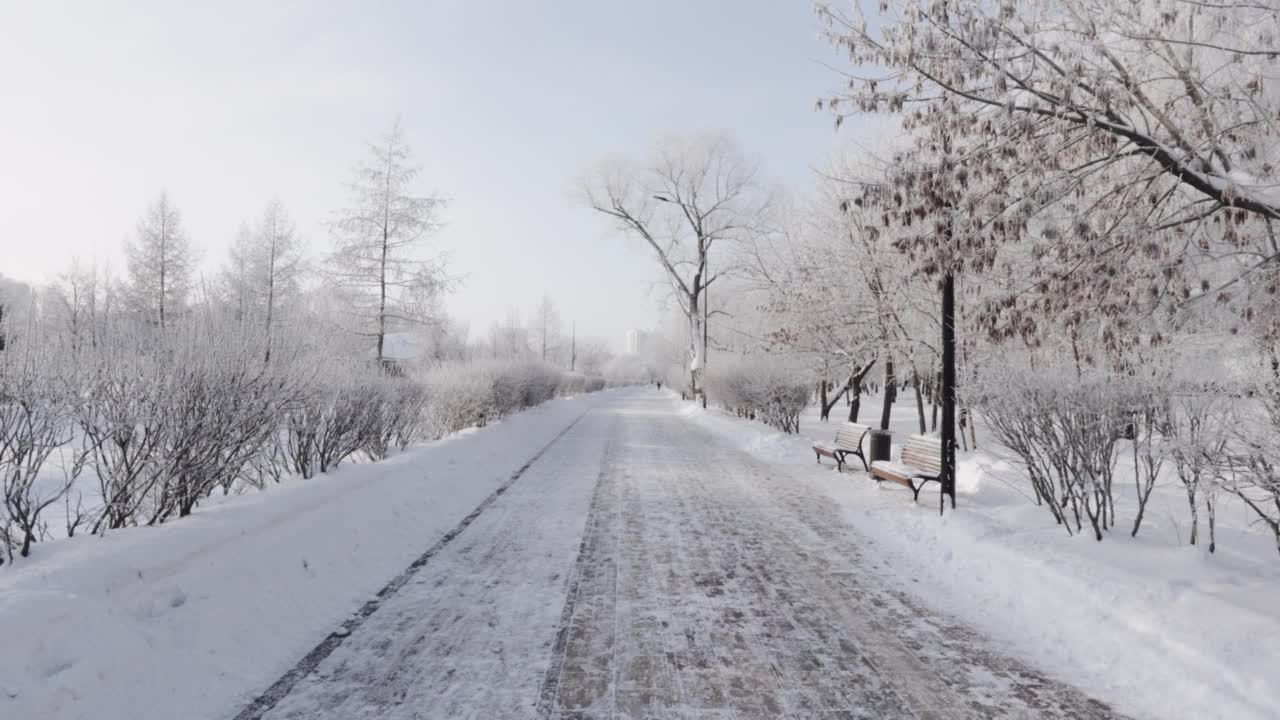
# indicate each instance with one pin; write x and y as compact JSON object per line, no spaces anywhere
{"x":159,"y":263}
{"x":379,"y":256}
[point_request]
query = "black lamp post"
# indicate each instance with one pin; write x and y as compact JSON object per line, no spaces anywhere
{"x":948,"y":478}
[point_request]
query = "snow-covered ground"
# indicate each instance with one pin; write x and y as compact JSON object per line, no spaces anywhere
{"x":655,"y":558}
{"x":1149,"y":624}
{"x":190,"y":619}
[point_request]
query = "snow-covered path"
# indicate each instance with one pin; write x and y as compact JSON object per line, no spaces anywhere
{"x":643,"y":567}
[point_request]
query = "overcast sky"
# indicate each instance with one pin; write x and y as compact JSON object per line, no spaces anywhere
{"x":227,"y":104}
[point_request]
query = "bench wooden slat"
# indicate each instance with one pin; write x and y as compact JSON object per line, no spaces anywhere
{"x":921,"y":459}
{"x":848,"y":442}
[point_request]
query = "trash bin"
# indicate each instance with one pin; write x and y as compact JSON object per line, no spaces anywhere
{"x":881,"y":442}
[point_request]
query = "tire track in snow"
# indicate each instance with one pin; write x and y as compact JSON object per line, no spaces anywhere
{"x":549,"y":692}
{"x":280,"y":688}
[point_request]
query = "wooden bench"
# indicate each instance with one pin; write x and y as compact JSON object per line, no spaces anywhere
{"x":921,"y":463}
{"x":848,"y":442}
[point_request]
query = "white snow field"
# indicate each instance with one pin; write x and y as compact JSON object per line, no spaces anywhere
{"x":626,"y":555}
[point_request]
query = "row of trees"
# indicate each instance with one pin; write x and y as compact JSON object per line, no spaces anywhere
{"x":130,"y":401}
{"x":1102,"y":184}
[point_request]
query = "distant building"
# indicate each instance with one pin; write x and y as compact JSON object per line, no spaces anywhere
{"x":636,"y":341}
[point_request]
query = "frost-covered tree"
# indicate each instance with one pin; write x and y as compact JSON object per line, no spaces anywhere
{"x":1112,"y":158}
{"x":694,"y":193}
{"x":379,"y":240}
{"x":545,"y":329}
{"x":159,"y":264}
{"x":280,"y":255}
{"x":236,"y":274}
{"x":79,"y":301}
{"x":839,"y":293}
{"x":264,"y":270}
{"x":34,"y":393}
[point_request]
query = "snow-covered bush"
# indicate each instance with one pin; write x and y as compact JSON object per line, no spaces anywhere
{"x":765,"y":388}
{"x":1065,"y":427}
{"x":336,"y":416}
{"x":1250,"y":466}
{"x":524,"y":384}
{"x":221,"y":409}
{"x":165,"y":426}
{"x":463,"y":395}
{"x":459,"y":396}
{"x":577,"y":383}
{"x":1197,"y":435}
{"x":34,"y":422}
{"x":120,"y":417}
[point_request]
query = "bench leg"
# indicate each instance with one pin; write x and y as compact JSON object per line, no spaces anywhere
{"x":863,"y":458}
{"x":915,"y":491}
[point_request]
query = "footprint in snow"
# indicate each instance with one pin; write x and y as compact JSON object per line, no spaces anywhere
{"x":55,"y":668}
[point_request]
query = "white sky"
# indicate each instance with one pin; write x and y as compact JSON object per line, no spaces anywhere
{"x":227,"y":104}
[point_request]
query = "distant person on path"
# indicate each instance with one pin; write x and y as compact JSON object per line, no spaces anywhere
{"x":659,"y":384}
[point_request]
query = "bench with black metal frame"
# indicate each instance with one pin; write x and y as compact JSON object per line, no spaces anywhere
{"x":848,"y":442}
{"x":921,"y":463}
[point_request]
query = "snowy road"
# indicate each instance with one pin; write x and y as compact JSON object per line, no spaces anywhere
{"x":643,"y":567}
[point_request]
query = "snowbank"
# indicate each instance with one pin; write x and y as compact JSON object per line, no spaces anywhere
{"x":1149,"y":624}
{"x":206,"y":611}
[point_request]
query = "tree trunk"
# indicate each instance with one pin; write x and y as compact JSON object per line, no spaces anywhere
{"x":695,"y":333}
{"x":915,"y":386}
{"x":890,"y":394}
{"x":830,"y":402}
{"x":382,"y":298}
{"x":271,"y":295}
{"x":163,"y":229}
{"x":854,"y":391}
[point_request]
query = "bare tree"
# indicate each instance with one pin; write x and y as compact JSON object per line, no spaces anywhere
{"x":159,"y":263}
{"x":33,"y":424}
{"x":281,"y":258}
{"x":237,"y":277}
{"x":378,"y":239}
{"x":263,"y":270}
{"x":78,"y":303}
{"x":545,"y":327}
{"x":693,"y":194}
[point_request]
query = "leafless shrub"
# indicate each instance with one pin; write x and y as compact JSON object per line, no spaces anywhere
{"x":33,"y":424}
{"x":767,"y":389}
{"x":1065,"y":428}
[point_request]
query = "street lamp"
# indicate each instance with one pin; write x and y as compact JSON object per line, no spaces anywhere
{"x":706,"y":302}
{"x":948,"y":389}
